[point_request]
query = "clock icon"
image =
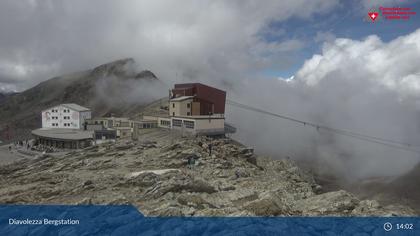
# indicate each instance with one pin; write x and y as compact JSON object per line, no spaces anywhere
{"x":387,"y":226}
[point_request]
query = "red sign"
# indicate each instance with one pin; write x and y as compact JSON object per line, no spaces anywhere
{"x":373,"y":15}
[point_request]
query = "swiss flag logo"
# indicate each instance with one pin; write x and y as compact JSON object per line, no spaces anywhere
{"x":373,"y":15}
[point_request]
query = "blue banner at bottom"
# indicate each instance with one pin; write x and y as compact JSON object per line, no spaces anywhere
{"x":127,"y":220}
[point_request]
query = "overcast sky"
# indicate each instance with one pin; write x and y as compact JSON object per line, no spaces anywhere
{"x":178,"y":40}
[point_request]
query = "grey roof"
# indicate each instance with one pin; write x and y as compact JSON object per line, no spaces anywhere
{"x":75,"y":107}
{"x":181,"y":98}
{"x":63,"y":134}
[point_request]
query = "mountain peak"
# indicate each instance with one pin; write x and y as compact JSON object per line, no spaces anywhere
{"x":122,"y":67}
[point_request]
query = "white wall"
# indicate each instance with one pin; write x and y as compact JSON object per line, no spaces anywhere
{"x":180,"y":108}
{"x":200,"y":125}
{"x":205,"y":124}
{"x":63,"y":117}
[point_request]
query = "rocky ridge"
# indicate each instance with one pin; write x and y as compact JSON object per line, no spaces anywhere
{"x":153,"y":174}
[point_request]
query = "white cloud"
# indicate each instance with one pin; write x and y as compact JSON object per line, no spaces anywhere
{"x":390,"y":65}
{"x":197,"y":40}
{"x":365,"y":86}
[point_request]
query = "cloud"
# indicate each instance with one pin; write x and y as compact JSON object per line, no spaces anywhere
{"x":196,"y":40}
{"x":365,"y":86}
{"x":387,"y":65}
{"x":322,"y":36}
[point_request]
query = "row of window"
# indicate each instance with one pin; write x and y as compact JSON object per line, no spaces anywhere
{"x":165,"y":123}
{"x":187,"y":123}
{"x":176,"y":122}
{"x":56,"y":117}
{"x":65,"y":110}
{"x":188,"y":105}
{"x":149,"y":125}
{"x":65,"y":124}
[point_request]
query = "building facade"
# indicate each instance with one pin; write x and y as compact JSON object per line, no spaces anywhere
{"x":65,"y":116}
{"x":199,"y":125}
{"x":63,"y":138}
{"x":194,"y":108}
{"x":183,"y":106}
{"x":196,"y":99}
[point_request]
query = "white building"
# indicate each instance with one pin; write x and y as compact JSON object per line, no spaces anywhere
{"x":67,"y":116}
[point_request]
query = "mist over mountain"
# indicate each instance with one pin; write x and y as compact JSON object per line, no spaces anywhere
{"x":119,"y":87}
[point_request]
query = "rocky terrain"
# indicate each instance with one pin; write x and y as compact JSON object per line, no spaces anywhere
{"x":20,"y":112}
{"x":153,"y":174}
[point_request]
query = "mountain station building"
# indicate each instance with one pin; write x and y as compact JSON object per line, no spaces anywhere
{"x":63,"y":126}
{"x":196,"y":109}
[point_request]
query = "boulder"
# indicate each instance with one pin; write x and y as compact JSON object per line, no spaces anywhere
{"x":331,"y":203}
{"x":269,"y":204}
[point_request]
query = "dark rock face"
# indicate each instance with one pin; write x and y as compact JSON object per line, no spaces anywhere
{"x":119,"y":68}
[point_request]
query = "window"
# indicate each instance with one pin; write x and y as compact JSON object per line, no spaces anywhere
{"x":188,"y":113}
{"x":173,"y":113}
{"x":188,"y":105}
{"x":173,"y":105}
{"x":176,"y":122}
{"x":189,"y":124}
{"x":165,"y":123}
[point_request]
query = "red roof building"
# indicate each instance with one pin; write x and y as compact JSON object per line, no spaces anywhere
{"x":206,"y":100}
